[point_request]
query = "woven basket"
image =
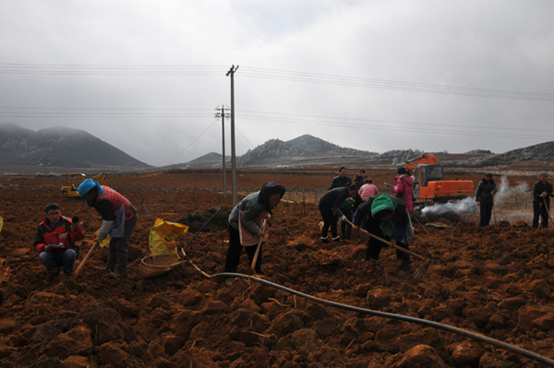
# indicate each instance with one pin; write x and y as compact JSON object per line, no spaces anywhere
{"x":157,"y":265}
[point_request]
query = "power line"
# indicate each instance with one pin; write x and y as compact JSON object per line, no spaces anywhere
{"x":275,"y":74}
{"x":84,"y":69}
{"x":261,"y":116}
{"x":254,"y":72}
{"x":195,"y":139}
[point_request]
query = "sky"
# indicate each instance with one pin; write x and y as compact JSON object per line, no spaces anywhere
{"x":148,"y":76}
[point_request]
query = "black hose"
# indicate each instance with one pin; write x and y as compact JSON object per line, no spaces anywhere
{"x":472,"y":335}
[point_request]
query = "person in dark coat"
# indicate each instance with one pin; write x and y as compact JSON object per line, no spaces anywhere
{"x":484,"y":197}
{"x":341,"y":180}
{"x":387,"y":218}
{"x":329,"y":204}
{"x":542,"y":191}
{"x":359,"y":180}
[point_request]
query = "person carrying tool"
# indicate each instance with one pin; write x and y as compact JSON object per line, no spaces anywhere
{"x":245,"y":225}
{"x":387,"y":218}
{"x":404,"y":188}
{"x":542,"y":191}
{"x":329,"y":204}
{"x":341,"y":180}
{"x":484,"y":197}
{"x":55,"y":242}
{"x":118,"y":221}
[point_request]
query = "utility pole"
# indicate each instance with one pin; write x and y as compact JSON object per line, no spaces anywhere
{"x":233,"y":156}
{"x":224,"y":114}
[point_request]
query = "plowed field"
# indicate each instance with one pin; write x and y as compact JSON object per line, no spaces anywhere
{"x":497,"y":281}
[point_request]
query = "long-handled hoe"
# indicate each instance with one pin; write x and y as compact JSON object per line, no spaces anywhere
{"x":421,"y":269}
{"x":547,"y":209}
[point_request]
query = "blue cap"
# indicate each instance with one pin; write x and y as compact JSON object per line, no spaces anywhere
{"x":87,"y":185}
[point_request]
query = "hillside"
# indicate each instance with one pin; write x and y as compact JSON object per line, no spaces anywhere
{"x":59,"y":147}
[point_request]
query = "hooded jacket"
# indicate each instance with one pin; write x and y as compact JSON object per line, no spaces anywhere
{"x":367,"y":212}
{"x":253,"y":205}
{"x":405,"y":187}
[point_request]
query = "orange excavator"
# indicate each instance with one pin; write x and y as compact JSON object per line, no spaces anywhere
{"x":429,"y":183}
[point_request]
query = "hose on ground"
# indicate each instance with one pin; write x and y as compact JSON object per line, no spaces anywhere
{"x":459,"y":331}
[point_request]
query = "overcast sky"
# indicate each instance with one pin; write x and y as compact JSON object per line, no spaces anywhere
{"x":146,"y":76}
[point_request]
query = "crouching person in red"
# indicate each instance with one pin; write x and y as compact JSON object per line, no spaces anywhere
{"x":55,"y":242}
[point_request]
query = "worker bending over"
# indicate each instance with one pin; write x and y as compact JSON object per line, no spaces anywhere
{"x":245,"y":224}
{"x":118,"y":221}
{"x":387,"y":218}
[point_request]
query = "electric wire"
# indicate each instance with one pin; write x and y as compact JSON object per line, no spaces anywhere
{"x":190,"y":144}
{"x":281,"y":118}
{"x":275,"y":74}
{"x":84,"y":69}
{"x":436,"y":325}
{"x":254,"y":72}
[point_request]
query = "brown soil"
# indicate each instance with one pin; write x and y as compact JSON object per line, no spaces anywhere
{"x":496,"y":281}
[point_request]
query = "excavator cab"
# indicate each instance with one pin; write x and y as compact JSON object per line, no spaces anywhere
{"x":423,"y":174}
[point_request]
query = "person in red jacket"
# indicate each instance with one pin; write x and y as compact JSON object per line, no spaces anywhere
{"x":118,"y":220}
{"x":55,"y":242}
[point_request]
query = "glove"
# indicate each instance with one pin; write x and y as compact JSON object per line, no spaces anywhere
{"x":342,"y":218}
{"x":260,"y":234}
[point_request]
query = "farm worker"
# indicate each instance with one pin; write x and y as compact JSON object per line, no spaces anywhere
{"x":55,"y":242}
{"x":404,"y":188}
{"x":341,"y":180}
{"x":368,"y":190}
{"x":118,"y":220}
{"x":329,"y":204}
{"x":387,"y":218}
{"x":245,"y":224}
{"x":542,"y":191}
{"x":484,"y":197}
{"x":359,"y":180}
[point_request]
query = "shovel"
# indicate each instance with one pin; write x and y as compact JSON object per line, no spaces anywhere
{"x":547,"y":209}
{"x":421,"y":269}
{"x":255,"y":260}
{"x":96,"y":242}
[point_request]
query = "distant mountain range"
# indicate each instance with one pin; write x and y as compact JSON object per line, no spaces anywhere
{"x":59,"y":147}
{"x":73,"y":148}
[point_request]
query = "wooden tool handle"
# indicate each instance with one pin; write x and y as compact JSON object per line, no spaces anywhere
{"x":547,"y":210}
{"x":387,"y":242}
{"x":96,"y":242}
{"x":255,"y":260}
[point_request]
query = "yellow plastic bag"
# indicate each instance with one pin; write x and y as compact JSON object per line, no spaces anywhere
{"x":104,"y":242}
{"x":162,"y":237}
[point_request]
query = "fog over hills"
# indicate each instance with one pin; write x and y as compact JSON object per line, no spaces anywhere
{"x":59,"y":147}
{"x":73,"y":148}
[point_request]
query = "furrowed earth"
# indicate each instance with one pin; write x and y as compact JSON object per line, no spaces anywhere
{"x":497,"y":281}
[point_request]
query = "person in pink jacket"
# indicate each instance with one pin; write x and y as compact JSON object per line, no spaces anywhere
{"x":404,"y":188}
{"x":368,"y":190}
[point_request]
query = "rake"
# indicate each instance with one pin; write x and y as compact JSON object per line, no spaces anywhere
{"x":420,"y":270}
